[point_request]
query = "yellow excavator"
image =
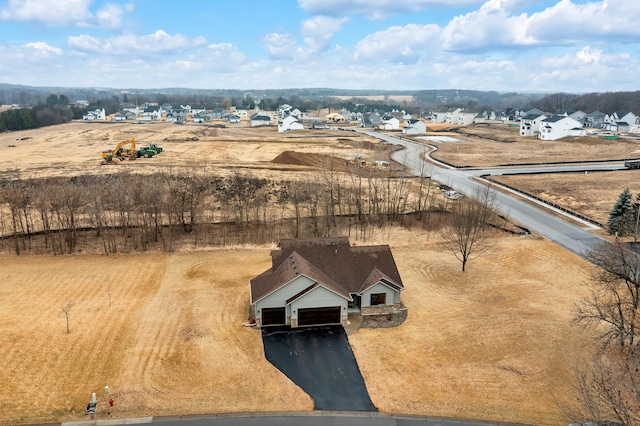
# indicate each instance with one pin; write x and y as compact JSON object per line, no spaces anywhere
{"x":120,"y":152}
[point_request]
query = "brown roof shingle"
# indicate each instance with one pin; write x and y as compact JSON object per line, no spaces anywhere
{"x":332,"y":262}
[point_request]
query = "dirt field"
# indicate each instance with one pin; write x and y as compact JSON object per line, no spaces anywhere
{"x":495,"y":342}
{"x":75,"y":148}
{"x":482,"y":145}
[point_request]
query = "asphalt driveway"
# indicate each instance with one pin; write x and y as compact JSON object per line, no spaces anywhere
{"x":321,"y":362}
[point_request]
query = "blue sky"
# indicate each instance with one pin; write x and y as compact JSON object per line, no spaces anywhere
{"x":572,"y":46}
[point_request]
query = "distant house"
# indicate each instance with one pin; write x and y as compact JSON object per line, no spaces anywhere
{"x":530,"y":124}
{"x":594,"y":119}
{"x":319,"y":281}
{"x":438,"y":117}
{"x":389,"y":122}
{"x":558,"y":127}
{"x":451,"y":117}
{"x":176,"y":115}
{"x":371,"y":120}
{"x":231,"y":118}
{"x":415,"y":127}
{"x":619,"y":121}
{"x":259,"y":119}
{"x":284,"y":110}
{"x":197,"y":109}
{"x":126,"y":106}
{"x":465,"y":118}
{"x":335,"y":117}
{"x":97,"y":114}
{"x":289,"y":123}
{"x":153,"y":112}
{"x":119,"y":116}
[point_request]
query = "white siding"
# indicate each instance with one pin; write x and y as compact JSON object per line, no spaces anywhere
{"x":392,"y":296}
{"x":319,"y":297}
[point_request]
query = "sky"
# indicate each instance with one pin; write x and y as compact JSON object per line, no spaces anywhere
{"x":573,"y":46}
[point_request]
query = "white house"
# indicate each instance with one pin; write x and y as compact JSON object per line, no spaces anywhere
{"x":465,"y":118}
{"x":319,"y":281}
{"x":619,"y":121}
{"x":97,"y":114}
{"x":451,"y":116}
{"x":558,"y":127}
{"x":415,"y":127}
{"x":259,"y":119}
{"x":530,"y":124}
{"x":289,"y":123}
{"x":389,"y":123}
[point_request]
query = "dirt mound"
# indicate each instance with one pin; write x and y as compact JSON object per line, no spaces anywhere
{"x":311,"y":160}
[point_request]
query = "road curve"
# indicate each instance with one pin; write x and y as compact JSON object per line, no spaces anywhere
{"x":532,"y":216}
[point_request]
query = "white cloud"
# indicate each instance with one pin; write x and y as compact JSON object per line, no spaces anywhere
{"x":397,"y":44}
{"x":489,"y":27}
{"x":125,"y":44}
{"x":65,"y":13}
{"x":50,"y":12}
{"x":43,"y":49}
{"x":493,"y":26}
{"x":280,"y":46}
{"x":319,"y":30}
{"x":570,"y":21}
{"x":376,"y":9}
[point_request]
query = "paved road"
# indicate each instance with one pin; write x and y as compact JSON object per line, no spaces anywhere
{"x":316,"y":418}
{"x":533,"y":217}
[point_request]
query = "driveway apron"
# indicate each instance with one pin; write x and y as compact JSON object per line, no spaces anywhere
{"x":321,"y":362}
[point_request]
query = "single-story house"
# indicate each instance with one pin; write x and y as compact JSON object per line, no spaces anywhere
{"x":319,"y":281}
{"x":259,"y":119}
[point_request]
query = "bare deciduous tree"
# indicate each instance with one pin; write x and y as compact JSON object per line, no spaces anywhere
{"x":65,"y":310}
{"x":614,"y":303}
{"x":608,"y":388}
{"x":467,"y":234}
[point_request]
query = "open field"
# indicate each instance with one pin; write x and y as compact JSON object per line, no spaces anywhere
{"x":482,"y":145}
{"x":495,"y":342}
{"x":75,"y":148}
{"x":592,"y":195}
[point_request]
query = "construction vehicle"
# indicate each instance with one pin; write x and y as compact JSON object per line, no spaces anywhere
{"x":156,"y":148}
{"x":120,"y":152}
{"x":145,"y":152}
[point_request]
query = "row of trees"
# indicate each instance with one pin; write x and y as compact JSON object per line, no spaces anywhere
{"x":126,"y":212}
{"x":39,"y":116}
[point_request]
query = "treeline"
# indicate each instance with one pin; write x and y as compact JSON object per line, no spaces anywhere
{"x":125,"y":212}
{"x":46,"y":114}
{"x":607,"y":103}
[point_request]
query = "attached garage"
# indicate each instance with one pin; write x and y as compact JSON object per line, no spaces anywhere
{"x":274,"y":316}
{"x":320,"y":316}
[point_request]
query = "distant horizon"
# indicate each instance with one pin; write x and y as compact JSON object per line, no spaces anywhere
{"x":523,"y":46}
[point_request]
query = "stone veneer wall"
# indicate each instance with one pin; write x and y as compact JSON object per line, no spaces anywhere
{"x":384,"y":316}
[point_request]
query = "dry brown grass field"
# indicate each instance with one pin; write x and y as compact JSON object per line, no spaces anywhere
{"x":592,"y":195}
{"x":482,"y":145}
{"x":496,"y":342}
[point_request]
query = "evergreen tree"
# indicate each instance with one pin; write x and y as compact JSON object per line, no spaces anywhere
{"x":621,"y":215}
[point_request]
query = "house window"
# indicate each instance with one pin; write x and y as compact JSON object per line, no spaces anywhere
{"x":378,"y":299}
